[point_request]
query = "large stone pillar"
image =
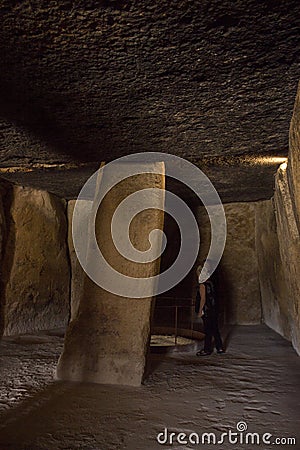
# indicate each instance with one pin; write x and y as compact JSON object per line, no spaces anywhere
{"x":35,"y":274}
{"x":77,"y":272}
{"x":108,"y":339}
{"x":278,"y":244}
{"x":238,"y":267}
{"x":2,"y":245}
{"x":289,"y":246}
{"x":293,"y":169}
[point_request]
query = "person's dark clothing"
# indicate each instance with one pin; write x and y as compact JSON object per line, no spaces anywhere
{"x":211,"y":330}
{"x":210,"y":317}
{"x":211,"y":305}
{"x":197,"y":304}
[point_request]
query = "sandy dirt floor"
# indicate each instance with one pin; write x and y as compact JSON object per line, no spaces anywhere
{"x":256,"y":382}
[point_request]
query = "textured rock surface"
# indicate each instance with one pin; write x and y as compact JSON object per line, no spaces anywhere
{"x":91,"y":80}
{"x":108,"y":340}
{"x":278,"y":244}
{"x":2,"y":242}
{"x":235,"y":178}
{"x":238,"y":272}
{"x":274,"y":291}
{"x":35,"y":265}
{"x":289,"y":246}
{"x":258,"y":380}
{"x":294,"y":159}
{"x":77,"y":273}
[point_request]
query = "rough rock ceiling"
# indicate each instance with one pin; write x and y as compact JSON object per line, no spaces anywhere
{"x":84,"y":81}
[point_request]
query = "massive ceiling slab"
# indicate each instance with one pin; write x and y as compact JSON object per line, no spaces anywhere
{"x":85,"y":81}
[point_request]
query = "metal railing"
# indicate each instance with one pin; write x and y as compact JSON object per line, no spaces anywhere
{"x":178,"y":331}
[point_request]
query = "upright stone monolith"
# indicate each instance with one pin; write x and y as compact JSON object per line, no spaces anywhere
{"x":108,"y":339}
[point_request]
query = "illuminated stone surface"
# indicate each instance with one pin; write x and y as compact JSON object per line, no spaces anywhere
{"x":77,"y":273}
{"x":273,"y":285}
{"x":278,"y":244}
{"x":108,"y":340}
{"x":35,"y":271}
{"x":289,"y":246}
{"x":294,"y":159}
{"x":237,"y":275}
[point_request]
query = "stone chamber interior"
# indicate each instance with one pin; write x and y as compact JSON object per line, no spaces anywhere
{"x":84,"y":83}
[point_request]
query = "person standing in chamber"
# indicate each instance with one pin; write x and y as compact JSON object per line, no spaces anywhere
{"x":207,"y":308}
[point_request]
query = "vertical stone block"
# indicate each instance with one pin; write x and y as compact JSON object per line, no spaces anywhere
{"x":273,"y":287}
{"x":36,"y":272}
{"x":238,"y":271}
{"x":289,"y":246}
{"x":239,"y":265}
{"x":2,"y":243}
{"x":278,"y":243}
{"x":108,"y":339}
{"x":77,"y":272}
{"x":294,"y":159}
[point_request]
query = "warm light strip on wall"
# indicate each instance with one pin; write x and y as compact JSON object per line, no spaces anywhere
{"x":33,"y":167}
{"x":268,"y":160}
